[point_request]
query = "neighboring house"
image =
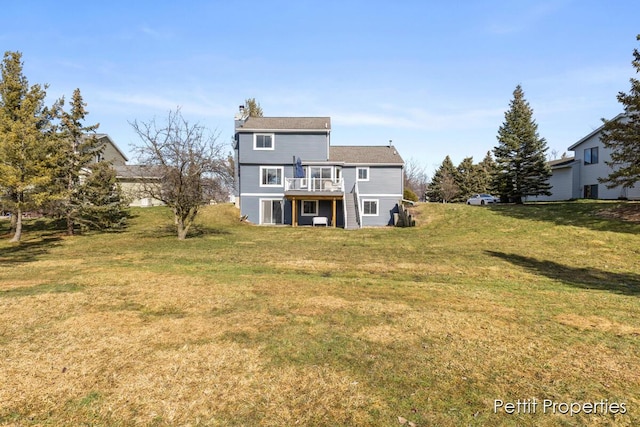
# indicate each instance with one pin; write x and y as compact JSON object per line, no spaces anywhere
{"x":577,"y":177}
{"x":134,"y":180}
{"x":110,"y":152}
{"x":563,"y":173}
{"x":131,"y":178}
{"x":287,"y":172}
{"x":592,"y":156}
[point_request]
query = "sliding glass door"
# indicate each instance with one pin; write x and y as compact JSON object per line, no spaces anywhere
{"x":271,"y":211}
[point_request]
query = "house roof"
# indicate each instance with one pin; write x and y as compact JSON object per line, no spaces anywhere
{"x":561,"y":163}
{"x":573,"y":147}
{"x":136,"y":171}
{"x":365,"y":154}
{"x":285,"y":123}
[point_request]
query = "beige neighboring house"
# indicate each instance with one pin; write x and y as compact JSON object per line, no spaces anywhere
{"x":111,"y":153}
{"x":131,"y":178}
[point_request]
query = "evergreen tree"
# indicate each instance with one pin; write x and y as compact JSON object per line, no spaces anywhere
{"x":252,"y":108}
{"x":486,"y":169}
{"x":79,"y":148}
{"x":443,"y":186}
{"x":623,"y":136}
{"x":467,"y":179}
{"x":521,"y":166}
{"x":102,"y":204}
{"x":26,"y":142}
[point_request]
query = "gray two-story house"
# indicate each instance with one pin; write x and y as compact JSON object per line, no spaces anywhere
{"x":287,"y":172}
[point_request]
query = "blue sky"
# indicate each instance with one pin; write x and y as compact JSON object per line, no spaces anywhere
{"x":434,"y":77}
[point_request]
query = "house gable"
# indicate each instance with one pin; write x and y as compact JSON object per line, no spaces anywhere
{"x":111,"y":151}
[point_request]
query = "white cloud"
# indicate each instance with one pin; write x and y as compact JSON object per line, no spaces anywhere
{"x":521,"y":17}
{"x":155,"y":33}
{"x":159,"y":104}
{"x":421,"y":119}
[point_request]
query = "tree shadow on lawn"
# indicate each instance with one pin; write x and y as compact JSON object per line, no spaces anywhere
{"x":592,"y":215}
{"x":584,"y":278}
{"x":27,"y":251}
{"x":171,"y":231}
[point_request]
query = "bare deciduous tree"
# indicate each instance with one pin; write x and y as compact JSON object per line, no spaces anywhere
{"x":448,"y":187}
{"x":187,"y":162}
{"x":416,"y":178}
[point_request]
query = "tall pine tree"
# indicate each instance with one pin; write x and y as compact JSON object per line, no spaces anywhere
{"x":79,"y":148}
{"x":467,"y":179}
{"x":26,"y":142}
{"x":443,"y":186}
{"x":521,"y":166}
{"x":486,"y":170}
{"x":623,"y":136}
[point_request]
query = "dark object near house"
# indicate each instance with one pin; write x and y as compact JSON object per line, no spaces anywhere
{"x":405,"y":219}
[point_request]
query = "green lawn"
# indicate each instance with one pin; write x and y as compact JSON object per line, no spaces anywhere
{"x":247,"y":325}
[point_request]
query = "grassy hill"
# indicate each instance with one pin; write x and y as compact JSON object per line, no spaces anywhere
{"x":247,"y":325}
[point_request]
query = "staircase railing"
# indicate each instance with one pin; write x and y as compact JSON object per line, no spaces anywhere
{"x":356,"y":199}
{"x":344,"y":208}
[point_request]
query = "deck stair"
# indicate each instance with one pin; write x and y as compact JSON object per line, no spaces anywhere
{"x":352,"y":214}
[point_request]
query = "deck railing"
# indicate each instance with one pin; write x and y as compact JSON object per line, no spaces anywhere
{"x":314,"y":184}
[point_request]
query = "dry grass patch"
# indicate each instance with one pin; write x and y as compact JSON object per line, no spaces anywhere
{"x":627,"y":212}
{"x":597,"y":323}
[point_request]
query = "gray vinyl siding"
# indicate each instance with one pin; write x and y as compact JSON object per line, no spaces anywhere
{"x":387,"y":206}
{"x":561,"y":188}
{"x":309,"y":147}
{"x":250,"y":206}
{"x":250,"y":179}
{"x":384,"y":184}
{"x":382,"y":179}
{"x":236,"y":172}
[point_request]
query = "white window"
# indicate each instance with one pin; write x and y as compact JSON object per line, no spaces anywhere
{"x":370,"y":207}
{"x":363,"y":174}
{"x":263,"y":141}
{"x":309,"y":207}
{"x":271,"y":176}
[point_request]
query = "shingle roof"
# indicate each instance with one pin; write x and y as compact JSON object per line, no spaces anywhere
{"x":137,"y":171}
{"x":559,"y":163}
{"x":365,"y":154}
{"x":286,"y":123}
